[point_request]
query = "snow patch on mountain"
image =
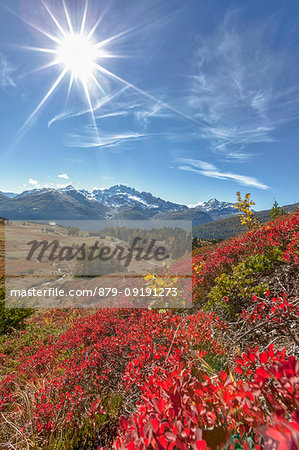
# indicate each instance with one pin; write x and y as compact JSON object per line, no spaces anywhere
{"x":121,"y":197}
{"x":214,"y":205}
{"x":195,"y":205}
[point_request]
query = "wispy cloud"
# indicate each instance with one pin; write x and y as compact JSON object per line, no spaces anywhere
{"x":64,"y":176}
{"x":101,"y":134}
{"x":61,"y":116}
{"x":133,"y":119}
{"x":100,"y":105}
{"x":244,"y":86}
{"x":209,"y":170}
{"x":6,"y":73}
{"x":112,"y":114}
{"x":90,"y":137}
{"x":153,"y":110}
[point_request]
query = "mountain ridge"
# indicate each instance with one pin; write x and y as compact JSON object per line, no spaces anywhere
{"x":119,"y":195}
{"x":116,"y":202}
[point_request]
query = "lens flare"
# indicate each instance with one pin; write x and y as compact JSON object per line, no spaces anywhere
{"x":78,"y":55}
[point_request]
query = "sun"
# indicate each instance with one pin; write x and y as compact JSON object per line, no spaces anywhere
{"x":78,"y":54}
{"x":81,"y":59}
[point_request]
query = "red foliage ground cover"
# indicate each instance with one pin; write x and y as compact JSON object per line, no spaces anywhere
{"x":282,"y":233}
{"x":162,"y":379}
{"x":178,"y":408}
{"x":109,"y":352}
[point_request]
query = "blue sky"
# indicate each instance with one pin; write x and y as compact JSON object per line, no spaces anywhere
{"x":195,"y":99}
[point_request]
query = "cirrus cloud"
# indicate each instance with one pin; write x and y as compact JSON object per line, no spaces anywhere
{"x":6,"y":73}
{"x":244,"y":87}
{"x":209,"y":170}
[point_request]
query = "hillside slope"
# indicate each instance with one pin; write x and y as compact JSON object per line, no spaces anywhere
{"x":224,"y":374}
{"x":231,"y":226}
{"x":50,"y":204}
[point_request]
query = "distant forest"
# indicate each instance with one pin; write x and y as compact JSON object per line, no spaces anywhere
{"x":178,"y":240}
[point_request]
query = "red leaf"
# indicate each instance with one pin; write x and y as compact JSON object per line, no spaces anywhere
{"x":264,"y":357}
{"x":238,"y":370}
{"x":260,"y":371}
{"x":223,"y":375}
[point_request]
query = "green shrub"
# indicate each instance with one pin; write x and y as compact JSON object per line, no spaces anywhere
{"x":232,"y":291}
{"x":11,"y":318}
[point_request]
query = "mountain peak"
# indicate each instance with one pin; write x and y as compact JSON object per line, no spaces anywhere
{"x":212,"y":201}
{"x":122,"y":196}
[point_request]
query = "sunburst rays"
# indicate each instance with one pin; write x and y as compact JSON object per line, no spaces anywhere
{"x":81,"y":60}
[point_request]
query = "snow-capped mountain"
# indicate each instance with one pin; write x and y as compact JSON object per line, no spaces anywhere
{"x":120,"y":196}
{"x":211,"y":205}
{"x":116,"y":202}
{"x":215,"y":207}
